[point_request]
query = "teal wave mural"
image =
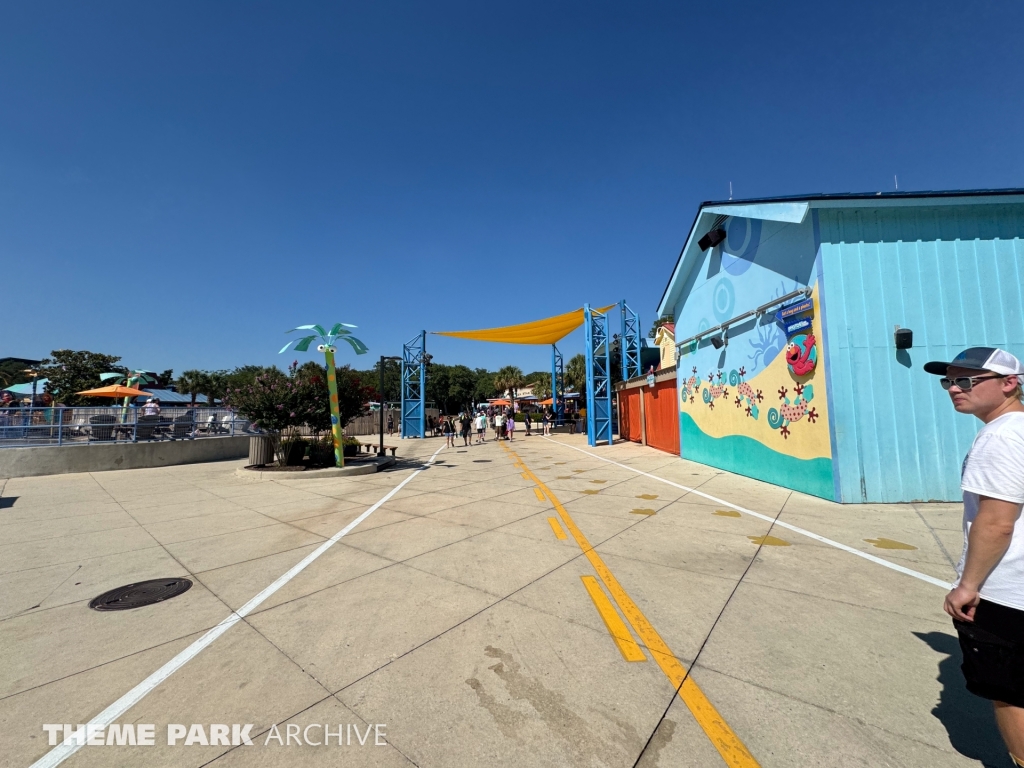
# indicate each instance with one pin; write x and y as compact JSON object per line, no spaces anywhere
{"x":746,"y":456}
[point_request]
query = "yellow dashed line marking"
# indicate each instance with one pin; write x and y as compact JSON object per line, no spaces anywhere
{"x":642,"y":512}
{"x":769,"y":541}
{"x":726,"y":513}
{"x":540,"y":496}
{"x":559,"y":533}
{"x":889,"y":544}
{"x":628,"y":647}
{"x":729,"y":746}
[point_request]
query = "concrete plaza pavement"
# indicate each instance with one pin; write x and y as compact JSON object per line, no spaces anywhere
{"x":527,"y":604}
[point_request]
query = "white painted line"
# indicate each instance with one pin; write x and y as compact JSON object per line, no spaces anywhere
{"x":877,"y":560}
{"x":63,"y":751}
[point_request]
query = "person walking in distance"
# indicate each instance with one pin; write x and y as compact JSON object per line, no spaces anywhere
{"x":448,"y":427}
{"x":499,"y":423}
{"x":465,"y":425}
{"x":510,"y":424}
{"x":481,"y":427}
{"x":391,"y":423}
{"x":987,"y":599}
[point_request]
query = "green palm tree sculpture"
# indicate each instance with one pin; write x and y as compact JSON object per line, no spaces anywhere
{"x":338,"y":333}
{"x":133,"y":379}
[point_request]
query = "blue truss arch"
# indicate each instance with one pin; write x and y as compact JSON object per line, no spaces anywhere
{"x":599,"y":385}
{"x":414,"y":386}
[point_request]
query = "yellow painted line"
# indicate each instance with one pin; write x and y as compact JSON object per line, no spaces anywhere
{"x":616,"y":626}
{"x":728,"y":744}
{"x":525,"y":476}
{"x":559,"y":533}
{"x":540,"y":496}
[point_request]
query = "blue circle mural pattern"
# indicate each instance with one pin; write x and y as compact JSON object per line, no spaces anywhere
{"x":723,"y":300}
{"x":742,"y":240}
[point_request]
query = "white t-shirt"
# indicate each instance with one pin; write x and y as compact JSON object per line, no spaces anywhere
{"x":481,"y":422}
{"x":499,"y":420}
{"x":994,"y":467}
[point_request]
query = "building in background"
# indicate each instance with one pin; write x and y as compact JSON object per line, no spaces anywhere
{"x":813,"y":317}
{"x":665,"y":341}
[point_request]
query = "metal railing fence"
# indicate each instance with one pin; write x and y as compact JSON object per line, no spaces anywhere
{"x":31,"y":426}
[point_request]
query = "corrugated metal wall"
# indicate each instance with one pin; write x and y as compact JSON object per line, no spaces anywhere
{"x":953,"y":275}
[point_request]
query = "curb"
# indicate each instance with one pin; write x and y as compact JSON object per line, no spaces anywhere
{"x":363,"y":468}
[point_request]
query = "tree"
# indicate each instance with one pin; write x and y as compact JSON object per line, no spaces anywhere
{"x":657,"y":324}
{"x":338,"y":332}
{"x":461,"y":388}
{"x":510,"y":378}
{"x":484,"y":388}
{"x":542,"y":388}
{"x":69,"y":371}
{"x":216,"y":385}
{"x":392,"y":380}
{"x":576,"y":374}
{"x":12,"y":370}
{"x":165,"y":379}
{"x":193,"y":382}
{"x":245,"y":375}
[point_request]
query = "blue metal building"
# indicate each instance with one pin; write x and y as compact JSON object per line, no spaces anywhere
{"x":785,"y":313}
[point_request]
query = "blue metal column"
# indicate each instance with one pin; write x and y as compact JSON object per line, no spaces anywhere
{"x":599,"y":390}
{"x":414,"y":390}
{"x":557,"y":385}
{"x":630,"y":343}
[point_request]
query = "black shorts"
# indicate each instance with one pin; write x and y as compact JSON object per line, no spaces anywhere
{"x":993,"y":649}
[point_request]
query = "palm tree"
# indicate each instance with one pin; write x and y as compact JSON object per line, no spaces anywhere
{"x":338,"y":333}
{"x":509,"y":378}
{"x":576,"y":373}
{"x":193,"y":382}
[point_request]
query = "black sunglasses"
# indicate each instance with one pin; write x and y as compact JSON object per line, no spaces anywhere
{"x":965,"y":383}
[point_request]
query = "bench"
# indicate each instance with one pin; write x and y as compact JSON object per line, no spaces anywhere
{"x":372,"y":447}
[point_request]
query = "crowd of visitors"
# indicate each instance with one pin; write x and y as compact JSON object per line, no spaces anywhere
{"x":501,"y":421}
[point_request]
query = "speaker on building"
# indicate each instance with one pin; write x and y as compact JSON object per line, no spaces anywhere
{"x":904,"y":338}
{"x":711,"y":239}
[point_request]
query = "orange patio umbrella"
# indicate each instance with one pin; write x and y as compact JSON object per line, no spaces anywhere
{"x":114,"y":390}
{"x":500,"y":402}
{"x":545,"y":402}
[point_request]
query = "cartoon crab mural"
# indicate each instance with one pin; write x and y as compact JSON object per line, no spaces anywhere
{"x":338,"y":333}
{"x":746,"y":396}
{"x":789,"y":412}
{"x":714,"y":391}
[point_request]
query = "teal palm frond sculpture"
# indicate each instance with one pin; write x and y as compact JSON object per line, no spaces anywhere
{"x":328,"y":346}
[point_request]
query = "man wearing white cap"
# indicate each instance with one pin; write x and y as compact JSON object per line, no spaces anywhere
{"x":987,"y":601}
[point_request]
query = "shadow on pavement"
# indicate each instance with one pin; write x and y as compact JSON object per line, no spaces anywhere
{"x":968,"y":719}
{"x":6,"y":502}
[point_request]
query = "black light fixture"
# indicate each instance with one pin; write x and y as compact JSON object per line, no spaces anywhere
{"x":720,"y":341}
{"x":904,"y":338}
{"x":711,"y":239}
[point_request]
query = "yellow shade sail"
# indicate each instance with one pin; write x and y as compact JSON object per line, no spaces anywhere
{"x":546,"y":331}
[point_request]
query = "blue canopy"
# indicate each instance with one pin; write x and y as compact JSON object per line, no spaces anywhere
{"x":26,"y":389}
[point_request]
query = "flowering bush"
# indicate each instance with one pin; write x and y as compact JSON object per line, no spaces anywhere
{"x":275,"y":401}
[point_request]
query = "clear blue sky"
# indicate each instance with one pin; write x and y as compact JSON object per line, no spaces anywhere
{"x":180,"y":183}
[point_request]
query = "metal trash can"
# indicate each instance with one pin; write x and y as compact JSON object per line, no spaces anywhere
{"x":261,"y":451}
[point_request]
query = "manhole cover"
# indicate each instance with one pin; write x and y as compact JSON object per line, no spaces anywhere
{"x":137,"y":595}
{"x":481,"y":461}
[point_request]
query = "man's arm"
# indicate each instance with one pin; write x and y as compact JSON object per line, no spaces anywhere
{"x":987,"y":542}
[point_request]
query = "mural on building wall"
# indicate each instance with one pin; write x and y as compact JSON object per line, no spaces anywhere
{"x":757,"y":406}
